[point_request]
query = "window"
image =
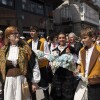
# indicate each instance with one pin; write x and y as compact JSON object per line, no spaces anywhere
{"x":4,"y":2}
{"x":10,"y":3}
{"x":33,"y":7}
{"x":0,"y":1}
{"x":23,"y":6}
{"x":24,"y":1}
{"x":48,"y":9}
{"x":40,"y":9}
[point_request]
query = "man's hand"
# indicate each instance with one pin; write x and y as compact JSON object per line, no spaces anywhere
{"x":34,"y":87}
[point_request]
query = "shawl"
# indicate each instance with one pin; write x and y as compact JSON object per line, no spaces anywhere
{"x":23,"y":58}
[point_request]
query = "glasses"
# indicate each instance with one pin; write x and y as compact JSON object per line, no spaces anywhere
{"x":15,"y":35}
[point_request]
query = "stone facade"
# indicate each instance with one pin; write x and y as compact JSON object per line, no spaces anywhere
{"x":81,"y":14}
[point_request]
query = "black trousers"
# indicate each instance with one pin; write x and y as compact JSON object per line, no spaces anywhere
{"x":94,"y":92}
{"x":44,"y":82}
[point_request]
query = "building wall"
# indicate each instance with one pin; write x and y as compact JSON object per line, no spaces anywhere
{"x":79,"y":14}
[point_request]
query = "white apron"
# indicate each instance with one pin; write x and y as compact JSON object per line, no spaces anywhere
{"x":81,"y":92}
{"x":15,"y":89}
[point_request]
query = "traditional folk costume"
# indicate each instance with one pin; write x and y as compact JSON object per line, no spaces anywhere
{"x":63,"y":81}
{"x":89,"y":59}
{"x":14,"y":62}
{"x":41,"y":45}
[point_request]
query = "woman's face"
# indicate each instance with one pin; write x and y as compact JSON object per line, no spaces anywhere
{"x":62,"y":39}
{"x":14,"y":37}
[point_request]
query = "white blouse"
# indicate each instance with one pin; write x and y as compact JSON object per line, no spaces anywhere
{"x":87,"y":59}
{"x":13,"y":56}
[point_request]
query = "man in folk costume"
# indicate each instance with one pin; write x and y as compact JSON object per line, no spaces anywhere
{"x":16,"y":58}
{"x":41,"y":45}
{"x":89,"y":65}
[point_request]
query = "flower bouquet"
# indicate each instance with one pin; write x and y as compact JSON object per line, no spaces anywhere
{"x":65,"y":61}
{"x":41,"y":59}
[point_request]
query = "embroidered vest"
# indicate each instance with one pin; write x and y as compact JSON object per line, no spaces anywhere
{"x":40,"y":46}
{"x":94,"y":66}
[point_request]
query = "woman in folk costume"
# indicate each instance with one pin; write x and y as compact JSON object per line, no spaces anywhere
{"x":89,"y":67}
{"x":15,"y":58}
{"x":63,"y":79}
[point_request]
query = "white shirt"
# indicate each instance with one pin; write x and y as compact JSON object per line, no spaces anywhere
{"x":13,"y":56}
{"x":53,"y":46}
{"x":36,"y":73}
{"x":46,"y":47}
{"x":61,"y":48}
{"x":88,"y":57}
{"x":34,"y":45}
{"x":13,"y":53}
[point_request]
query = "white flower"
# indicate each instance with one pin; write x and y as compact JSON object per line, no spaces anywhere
{"x":65,"y":61}
{"x":39,"y":54}
{"x":55,"y":53}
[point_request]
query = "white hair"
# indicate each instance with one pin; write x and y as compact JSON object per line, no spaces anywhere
{"x":71,"y":34}
{"x":1,"y":32}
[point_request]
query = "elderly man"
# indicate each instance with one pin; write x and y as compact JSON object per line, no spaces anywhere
{"x":73,"y":43}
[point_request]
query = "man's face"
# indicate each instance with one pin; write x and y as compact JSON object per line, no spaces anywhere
{"x":33,"y":34}
{"x":71,"y":39}
{"x":87,"y":41}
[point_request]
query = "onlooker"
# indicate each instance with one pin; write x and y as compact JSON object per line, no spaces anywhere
{"x":98,"y":40}
{"x":1,"y":38}
{"x":54,"y":42}
{"x":73,"y":43}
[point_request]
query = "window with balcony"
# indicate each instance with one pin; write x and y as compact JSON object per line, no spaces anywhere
{"x":32,"y":7}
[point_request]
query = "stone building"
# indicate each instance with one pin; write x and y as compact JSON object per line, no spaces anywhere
{"x":72,"y":15}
